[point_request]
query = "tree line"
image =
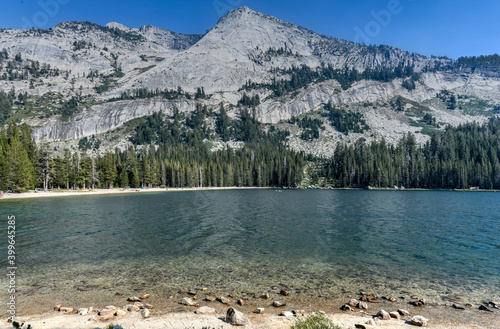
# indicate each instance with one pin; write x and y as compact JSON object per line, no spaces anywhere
{"x":462,"y":157}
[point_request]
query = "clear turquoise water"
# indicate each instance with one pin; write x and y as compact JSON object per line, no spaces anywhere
{"x":440,"y":245}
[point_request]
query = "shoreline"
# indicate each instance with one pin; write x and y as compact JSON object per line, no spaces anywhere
{"x":61,"y":193}
{"x":186,"y":317}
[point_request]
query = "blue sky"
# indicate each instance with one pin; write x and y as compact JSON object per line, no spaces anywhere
{"x":444,"y":28}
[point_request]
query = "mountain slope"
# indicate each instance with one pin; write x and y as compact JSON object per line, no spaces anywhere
{"x":97,"y":78}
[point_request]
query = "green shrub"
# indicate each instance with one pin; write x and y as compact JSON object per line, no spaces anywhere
{"x":317,"y":321}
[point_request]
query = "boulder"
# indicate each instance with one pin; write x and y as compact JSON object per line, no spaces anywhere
{"x":353,"y":303}
{"x":481,"y":307}
{"x":131,"y":308}
{"x":362,"y":326}
{"x":205,"y":310}
{"x":57,"y":307}
{"x":395,"y":315}
{"x":134,"y":299}
{"x":188,"y":301}
{"x":241,"y":302}
{"x":265,"y":295}
{"x":210,"y":298}
{"x":362,"y":305}
{"x":224,"y":300}
{"x":419,"y":321}
{"x":139,"y":305}
{"x":232,"y":295}
{"x":403,"y":312}
{"x":83,"y":311}
{"x":383,"y":315}
{"x":108,"y":310}
{"x":346,"y":307}
{"x":145,"y":313}
{"x":278,"y":303}
{"x":286,"y":314}
{"x":373,"y":322}
{"x":285,"y":292}
{"x":458,"y":307}
{"x":192,"y":292}
{"x":259,"y":310}
{"x":120,"y":312}
{"x":66,"y":309}
{"x":236,"y":318}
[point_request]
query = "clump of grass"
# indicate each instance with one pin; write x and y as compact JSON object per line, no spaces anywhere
{"x":316,"y":321}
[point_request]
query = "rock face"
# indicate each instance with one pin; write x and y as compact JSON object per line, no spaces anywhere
{"x":244,"y":45}
{"x":236,"y":318}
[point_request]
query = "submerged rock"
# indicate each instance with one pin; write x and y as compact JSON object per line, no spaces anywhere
{"x":131,"y":308}
{"x":188,"y":301}
{"x":210,"y":298}
{"x":419,"y":321}
{"x":242,"y":302}
{"x":363,"y":305}
{"x":145,"y":296}
{"x":265,"y":295}
{"x":192,"y":292}
{"x":235,"y":317}
{"x":285,"y":292}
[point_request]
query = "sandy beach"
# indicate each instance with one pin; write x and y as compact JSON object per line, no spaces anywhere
{"x":61,"y":193}
{"x":188,"y":320}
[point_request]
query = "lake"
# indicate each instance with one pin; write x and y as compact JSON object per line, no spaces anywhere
{"x":94,"y":249}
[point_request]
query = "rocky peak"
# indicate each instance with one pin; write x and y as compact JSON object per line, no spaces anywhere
{"x":118,"y":26}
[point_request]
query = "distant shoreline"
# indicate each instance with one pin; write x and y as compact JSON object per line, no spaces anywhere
{"x":62,"y":193}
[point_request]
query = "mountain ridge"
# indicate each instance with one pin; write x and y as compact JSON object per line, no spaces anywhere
{"x":98,"y":65}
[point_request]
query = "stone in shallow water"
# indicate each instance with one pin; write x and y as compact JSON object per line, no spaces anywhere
{"x":205,"y":310}
{"x":188,"y":301}
{"x":224,"y":300}
{"x":108,"y":310}
{"x":458,"y":306}
{"x":120,"y":312}
{"x":259,"y":310}
{"x":363,"y":305}
{"x":481,"y":307}
{"x":235,"y":317}
{"x":278,"y":303}
{"x":145,"y":296}
{"x":265,"y":295}
{"x":285,"y":292}
{"x":83,"y":311}
{"x":242,"y":302}
{"x":192,"y":292}
{"x":131,"y":308}
{"x":419,"y":321}
{"x":210,"y":298}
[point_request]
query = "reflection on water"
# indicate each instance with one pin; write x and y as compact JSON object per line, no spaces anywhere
{"x":435,"y":244}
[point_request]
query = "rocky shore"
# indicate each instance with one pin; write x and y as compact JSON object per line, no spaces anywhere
{"x":276,"y":308}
